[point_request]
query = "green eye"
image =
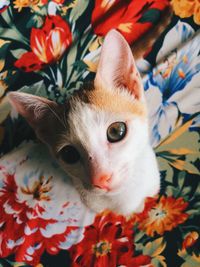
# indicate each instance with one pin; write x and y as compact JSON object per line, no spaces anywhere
{"x":70,"y":154}
{"x":116,"y":132}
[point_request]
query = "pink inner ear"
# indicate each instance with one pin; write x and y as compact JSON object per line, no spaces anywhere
{"x":117,"y":67}
{"x":29,"y":106}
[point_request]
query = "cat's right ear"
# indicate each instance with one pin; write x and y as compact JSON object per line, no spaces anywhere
{"x":42,"y":114}
{"x":116,"y":68}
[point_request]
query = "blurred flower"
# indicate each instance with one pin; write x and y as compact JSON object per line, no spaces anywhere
{"x":190,"y":239}
{"x":19,"y":4}
{"x":125,"y":16}
{"x":187,"y":8}
{"x":4,"y":5}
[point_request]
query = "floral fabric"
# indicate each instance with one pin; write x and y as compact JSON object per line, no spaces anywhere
{"x":49,"y":48}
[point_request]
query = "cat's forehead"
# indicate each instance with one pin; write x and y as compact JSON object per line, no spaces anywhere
{"x":90,"y":112}
{"x":110,"y":100}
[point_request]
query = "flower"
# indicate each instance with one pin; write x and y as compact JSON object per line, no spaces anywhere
{"x":4,"y":5}
{"x":190,"y":239}
{"x":187,"y":8}
{"x":19,"y":4}
{"x":54,"y":6}
{"x":48,"y":44}
{"x":30,"y":210}
{"x":55,"y":1}
{"x":161,"y":215}
{"x":169,"y":85}
{"x":126,"y":16}
{"x":107,"y":242}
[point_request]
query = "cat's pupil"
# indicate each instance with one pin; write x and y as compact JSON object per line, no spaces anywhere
{"x":116,"y":132}
{"x":70,"y":154}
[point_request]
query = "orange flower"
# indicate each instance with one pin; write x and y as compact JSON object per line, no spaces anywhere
{"x":190,"y":239}
{"x":19,"y":4}
{"x":187,"y":8}
{"x":48,"y":44}
{"x":162,"y":215}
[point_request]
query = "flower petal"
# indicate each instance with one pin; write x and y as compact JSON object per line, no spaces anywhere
{"x":29,"y":62}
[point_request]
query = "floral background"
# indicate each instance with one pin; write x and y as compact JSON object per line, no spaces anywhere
{"x":48,"y":48}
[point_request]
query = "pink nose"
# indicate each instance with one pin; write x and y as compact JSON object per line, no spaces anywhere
{"x":102,"y":182}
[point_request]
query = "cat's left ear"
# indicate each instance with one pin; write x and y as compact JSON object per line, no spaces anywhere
{"x":117,"y":67}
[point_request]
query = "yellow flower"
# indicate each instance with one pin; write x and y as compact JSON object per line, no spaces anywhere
{"x":19,"y":4}
{"x":187,"y":8}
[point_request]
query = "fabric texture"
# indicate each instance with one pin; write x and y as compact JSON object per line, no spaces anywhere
{"x":48,"y":48}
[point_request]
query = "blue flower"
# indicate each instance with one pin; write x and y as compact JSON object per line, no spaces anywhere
{"x":173,"y":87}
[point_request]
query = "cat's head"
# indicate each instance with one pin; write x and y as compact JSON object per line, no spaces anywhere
{"x":99,"y":133}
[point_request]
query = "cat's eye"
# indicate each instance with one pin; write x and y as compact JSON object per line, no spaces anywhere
{"x":70,"y":154}
{"x":116,"y":132}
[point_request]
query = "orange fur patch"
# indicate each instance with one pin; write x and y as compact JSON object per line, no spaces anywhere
{"x":114,"y":102}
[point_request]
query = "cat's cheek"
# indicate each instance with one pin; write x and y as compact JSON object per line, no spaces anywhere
{"x":118,"y":184}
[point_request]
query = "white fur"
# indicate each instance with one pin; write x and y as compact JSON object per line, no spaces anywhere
{"x":131,"y":161}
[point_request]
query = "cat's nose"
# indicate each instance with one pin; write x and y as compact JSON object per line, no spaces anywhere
{"x":102,"y":181}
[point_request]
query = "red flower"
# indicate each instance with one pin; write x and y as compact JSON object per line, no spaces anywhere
{"x":48,"y":44}
{"x":125,"y":16}
{"x":107,"y":242}
{"x":24,"y":231}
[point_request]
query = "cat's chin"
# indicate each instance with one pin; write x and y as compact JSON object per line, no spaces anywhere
{"x":107,"y":192}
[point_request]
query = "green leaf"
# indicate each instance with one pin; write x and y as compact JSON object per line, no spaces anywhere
{"x":193,"y":212}
{"x":164,"y":166}
{"x":67,"y":67}
{"x":80,"y":65}
{"x":190,"y":260}
{"x":17,"y":53}
{"x":181,"y":178}
{"x":158,"y":262}
{"x":139,"y":235}
{"x":12,"y":34}
{"x":4,"y":49}
{"x":154,"y":248}
{"x":78,"y":10}
{"x":35,"y":21}
{"x":4,"y":109}
{"x":189,"y":167}
{"x":38,"y":89}
{"x":151,"y":15}
{"x":198,"y":190}
{"x":6,"y":17}
{"x":172,"y":191}
{"x":186,"y":190}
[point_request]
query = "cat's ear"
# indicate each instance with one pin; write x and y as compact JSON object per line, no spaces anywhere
{"x":41,"y":113}
{"x":117,"y":67}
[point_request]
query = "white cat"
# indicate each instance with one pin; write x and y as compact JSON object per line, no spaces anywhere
{"x":100,"y":136}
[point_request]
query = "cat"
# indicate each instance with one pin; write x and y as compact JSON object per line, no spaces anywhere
{"x":100,"y":135}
